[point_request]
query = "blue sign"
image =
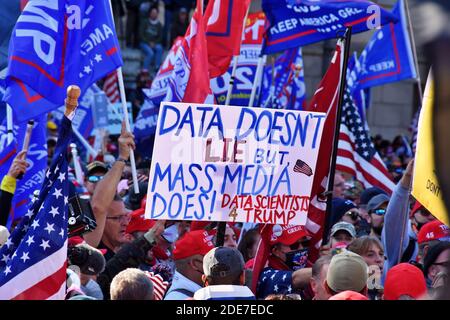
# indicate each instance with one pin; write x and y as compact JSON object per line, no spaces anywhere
{"x":56,"y":44}
{"x":295,"y":23}
{"x":388,"y":56}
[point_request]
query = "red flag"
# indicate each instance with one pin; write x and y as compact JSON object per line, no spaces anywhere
{"x":225,"y":21}
{"x":198,"y":88}
{"x":326,"y":99}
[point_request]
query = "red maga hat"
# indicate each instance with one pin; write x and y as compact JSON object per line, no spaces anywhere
{"x":287,"y":234}
{"x":404,"y":279}
{"x":433,"y":230}
{"x":138,"y":222}
{"x":192,"y":243}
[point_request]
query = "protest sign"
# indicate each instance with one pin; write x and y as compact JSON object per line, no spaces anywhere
{"x":226,"y":163}
{"x":246,"y":67}
{"x":426,"y":188}
{"x":115,"y":117}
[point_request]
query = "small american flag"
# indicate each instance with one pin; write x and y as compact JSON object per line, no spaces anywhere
{"x":413,"y":128}
{"x":111,"y":87}
{"x":159,"y":285}
{"x":33,"y":260}
{"x":302,"y":167}
{"x":356,"y":153}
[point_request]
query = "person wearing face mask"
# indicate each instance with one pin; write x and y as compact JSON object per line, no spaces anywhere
{"x":188,"y":254}
{"x":287,"y":261}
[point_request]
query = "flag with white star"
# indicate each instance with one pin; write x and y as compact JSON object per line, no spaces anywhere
{"x":79,"y":48}
{"x":356,"y":153}
{"x":33,"y":260}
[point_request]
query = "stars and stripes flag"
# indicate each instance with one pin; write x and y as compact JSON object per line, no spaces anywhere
{"x":159,"y":285}
{"x":302,"y":167}
{"x":33,"y":260}
{"x":356,"y":153}
{"x":111,"y":87}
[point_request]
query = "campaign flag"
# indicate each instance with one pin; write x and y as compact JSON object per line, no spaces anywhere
{"x":9,"y":12}
{"x":56,"y":44}
{"x":246,"y":67}
{"x":296,"y":23}
{"x":326,"y":99}
{"x":388,"y":57}
{"x":356,"y":153}
{"x":284,"y":87}
{"x":190,"y":81}
{"x":36,"y":158}
{"x":229,"y":163}
{"x":33,"y":263}
{"x":225,"y":21}
{"x":146,"y":120}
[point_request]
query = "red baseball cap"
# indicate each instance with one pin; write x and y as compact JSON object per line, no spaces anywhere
{"x":192,"y":243}
{"x":138,"y":223}
{"x":199,"y":225}
{"x":287,"y":234}
{"x":417,"y":207}
{"x":404,"y":279}
{"x":433,"y":230}
{"x":348,"y":295}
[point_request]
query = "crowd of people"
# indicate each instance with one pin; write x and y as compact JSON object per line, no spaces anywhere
{"x":379,"y":246}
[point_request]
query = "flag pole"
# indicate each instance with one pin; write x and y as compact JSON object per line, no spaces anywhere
{"x":123,"y":99}
{"x":76,"y":164}
{"x":259,"y":68}
{"x":347,"y":38}
{"x":235,"y":63}
{"x":416,"y":60}
{"x":9,"y":123}
{"x":26,"y":142}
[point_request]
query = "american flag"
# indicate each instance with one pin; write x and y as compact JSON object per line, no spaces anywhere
{"x":111,"y":87}
{"x":159,"y":285}
{"x":33,"y":260}
{"x":302,"y":167}
{"x":356,"y":153}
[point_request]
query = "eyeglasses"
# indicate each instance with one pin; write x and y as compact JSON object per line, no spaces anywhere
{"x":379,"y":212}
{"x":122,"y":218}
{"x":95,"y":179}
{"x":353,"y":215}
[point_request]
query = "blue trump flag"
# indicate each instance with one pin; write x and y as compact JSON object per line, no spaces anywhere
{"x":56,"y":44}
{"x":361,"y":97}
{"x":9,"y":12}
{"x":287,"y":90}
{"x":36,"y":157}
{"x":388,"y":56}
{"x":296,"y":23}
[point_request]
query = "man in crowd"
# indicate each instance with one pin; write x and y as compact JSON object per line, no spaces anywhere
{"x":430,"y":235}
{"x":319,"y":274}
{"x":132,"y":284}
{"x":95,"y":171}
{"x":436,"y":265}
{"x":287,"y":261}
{"x":339,"y":185}
{"x":151,"y":40}
{"x":347,"y":271}
{"x":188,"y":255}
{"x":342,"y":233}
{"x":223,"y":277}
{"x":377,"y":210}
{"x":404,"y":282}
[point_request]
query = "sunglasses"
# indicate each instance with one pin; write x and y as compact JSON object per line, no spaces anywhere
{"x":305,"y":244}
{"x":95,"y":179}
{"x":353,"y":215}
{"x":379,"y":212}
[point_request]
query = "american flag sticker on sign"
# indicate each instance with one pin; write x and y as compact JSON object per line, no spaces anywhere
{"x":302,"y":167}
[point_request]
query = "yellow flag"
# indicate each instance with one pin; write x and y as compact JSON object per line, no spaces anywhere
{"x":426,"y":187}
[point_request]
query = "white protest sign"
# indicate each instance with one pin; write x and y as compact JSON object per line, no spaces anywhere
{"x":224,"y":163}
